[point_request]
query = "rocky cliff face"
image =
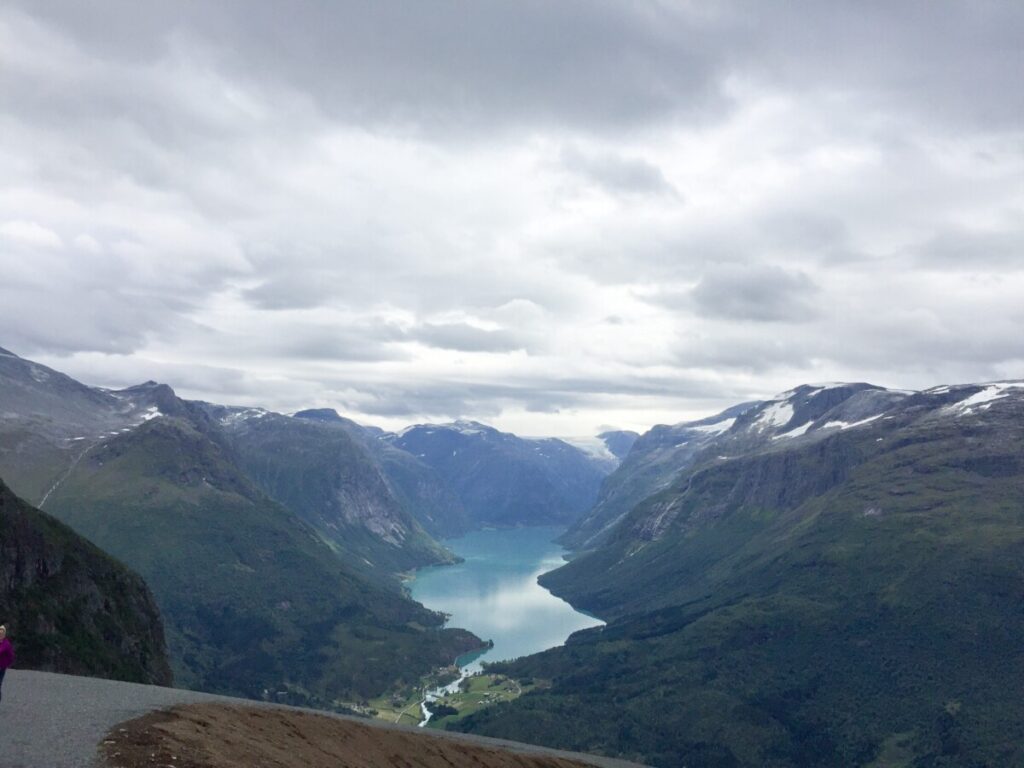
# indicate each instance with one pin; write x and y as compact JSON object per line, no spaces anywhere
{"x":70,"y":607}
{"x":327,"y":472}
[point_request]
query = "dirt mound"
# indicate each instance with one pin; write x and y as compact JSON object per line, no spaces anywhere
{"x":222,"y":736}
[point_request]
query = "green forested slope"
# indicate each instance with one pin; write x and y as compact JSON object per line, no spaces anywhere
{"x":830,"y":601}
{"x":70,"y":607}
{"x":252,"y":597}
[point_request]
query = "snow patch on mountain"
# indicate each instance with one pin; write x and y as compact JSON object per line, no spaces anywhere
{"x":466,"y":427}
{"x":850,"y":424}
{"x":714,"y":429}
{"x":242,"y":415}
{"x":776,"y":415}
{"x":983,"y":399}
{"x":796,"y":432}
{"x":150,"y":413}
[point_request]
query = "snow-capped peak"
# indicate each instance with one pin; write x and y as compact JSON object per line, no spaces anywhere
{"x":466,"y":427}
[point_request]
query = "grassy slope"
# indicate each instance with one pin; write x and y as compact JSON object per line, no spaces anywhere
{"x":251,"y":596}
{"x":806,"y":619}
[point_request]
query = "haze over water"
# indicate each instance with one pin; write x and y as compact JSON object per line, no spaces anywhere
{"x":495,"y":593}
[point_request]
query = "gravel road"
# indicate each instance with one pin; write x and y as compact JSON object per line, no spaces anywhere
{"x":57,"y":721}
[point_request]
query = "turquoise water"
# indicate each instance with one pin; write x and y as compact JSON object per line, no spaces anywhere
{"x":495,"y":593}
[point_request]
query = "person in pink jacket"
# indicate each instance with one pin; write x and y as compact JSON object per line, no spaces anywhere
{"x":6,"y":655}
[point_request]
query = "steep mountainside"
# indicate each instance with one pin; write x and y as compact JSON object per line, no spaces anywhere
{"x":252,"y":597}
{"x":339,"y":480}
{"x":504,"y":480}
{"x":416,"y":485}
{"x":819,"y":587}
{"x":70,"y":607}
{"x":650,"y":463}
{"x":330,"y":479}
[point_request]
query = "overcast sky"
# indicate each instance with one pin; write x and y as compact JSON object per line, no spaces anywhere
{"x":549,"y":216}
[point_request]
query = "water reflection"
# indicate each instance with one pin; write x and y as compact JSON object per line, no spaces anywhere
{"x":495,"y":593}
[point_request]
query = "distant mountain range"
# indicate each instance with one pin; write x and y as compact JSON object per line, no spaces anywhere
{"x":504,"y":480}
{"x":834,"y":576}
{"x":273,"y":543}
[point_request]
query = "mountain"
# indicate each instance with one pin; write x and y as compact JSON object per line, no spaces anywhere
{"x":607,"y":449}
{"x":619,"y":442}
{"x":70,"y":607}
{"x":324,"y":471}
{"x":650,"y":463}
{"x":48,"y":421}
{"x":252,"y":596}
{"x":835,"y":578}
{"x":504,"y":480}
{"x":415,"y":485}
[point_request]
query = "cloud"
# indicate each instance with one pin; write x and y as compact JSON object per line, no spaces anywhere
{"x":617,"y":174}
{"x":448,"y":67}
{"x":30,"y":233}
{"x":972,"y":250}
{"x":467,"y":338}
{"x":748,"y":292}
{"x":544,"y":213}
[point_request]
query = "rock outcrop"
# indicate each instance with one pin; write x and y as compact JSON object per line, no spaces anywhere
{"x":70,"y":607}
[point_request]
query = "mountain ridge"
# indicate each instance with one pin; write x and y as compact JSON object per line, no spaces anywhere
{"x":814,"y":597}
{"x":154,"y":480}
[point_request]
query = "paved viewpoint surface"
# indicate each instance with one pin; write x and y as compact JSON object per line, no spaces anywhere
{"x":57,"y":721}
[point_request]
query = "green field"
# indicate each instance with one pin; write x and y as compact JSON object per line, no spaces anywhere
{"x":401,"y":708}
{"x":479,"y":692}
